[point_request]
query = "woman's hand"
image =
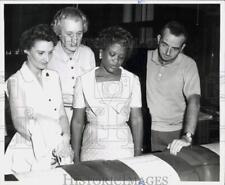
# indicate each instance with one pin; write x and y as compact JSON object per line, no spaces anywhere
{"x":64,"y":152}
{"x":137,"y":151}
{"x":76,"y":159}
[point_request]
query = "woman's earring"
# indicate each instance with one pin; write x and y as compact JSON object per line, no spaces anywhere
{"x":100,"y":54}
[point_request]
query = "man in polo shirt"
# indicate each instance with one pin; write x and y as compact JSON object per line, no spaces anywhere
{"x":172,"y":90}
{"x":70,"y":58}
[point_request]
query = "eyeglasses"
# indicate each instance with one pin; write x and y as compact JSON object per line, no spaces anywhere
{"x":77,"y":35}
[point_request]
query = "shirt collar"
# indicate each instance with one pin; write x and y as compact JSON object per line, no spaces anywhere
{"x":62,"y":54}
{"x":122,"y":71}
{"x":26,"y":73}
{"x":29,"y":76}
{"x":155,"y":59}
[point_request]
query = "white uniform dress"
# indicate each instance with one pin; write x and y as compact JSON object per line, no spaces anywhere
{"x":40,"y":114}
{"x":107,"y":135}
{"x":69,"y":68}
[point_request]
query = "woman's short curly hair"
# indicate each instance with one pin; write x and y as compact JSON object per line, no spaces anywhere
{"x":36,"y":33}
{"x":115,"y":34}
{"x":68,"y":12}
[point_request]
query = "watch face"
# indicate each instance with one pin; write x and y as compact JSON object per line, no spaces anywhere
{"x":188,"y":134}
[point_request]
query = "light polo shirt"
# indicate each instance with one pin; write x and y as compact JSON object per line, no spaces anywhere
{"x":69,"y":69}
{"x":168,"y":86}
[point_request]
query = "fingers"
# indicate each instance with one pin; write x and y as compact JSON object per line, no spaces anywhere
{"x":169,"y":145}
{"x":76,"y":159}
{"x":64,"y":151}
{"x":64,"y":156}
{"x":177,"y":145}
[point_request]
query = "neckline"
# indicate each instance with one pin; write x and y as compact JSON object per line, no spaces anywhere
{"x":155,"y":59}
{"x":66,"y":56}
{"x":28,"y":74}
{"x":122,"y":71}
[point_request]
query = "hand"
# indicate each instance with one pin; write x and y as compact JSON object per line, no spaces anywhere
{"x":43,"y":163}
{"x":137,"y":151}
{"x":176,"y":145}
{"x":64,"y":156}
{"x":64,"y":152}
{"x":76,"y":159}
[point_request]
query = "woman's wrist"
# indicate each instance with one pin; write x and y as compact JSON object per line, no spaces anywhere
{"x":76,"y":158}
{"x":66,"y":137}
{"x":138,"y":150}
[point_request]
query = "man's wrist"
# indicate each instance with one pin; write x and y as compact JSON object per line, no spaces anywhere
{"x":187,"y":137}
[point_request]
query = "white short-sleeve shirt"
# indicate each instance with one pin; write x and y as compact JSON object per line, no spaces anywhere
{"x":69,"y":69}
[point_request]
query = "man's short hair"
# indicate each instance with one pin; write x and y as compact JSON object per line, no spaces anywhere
{"x":176,"y":29}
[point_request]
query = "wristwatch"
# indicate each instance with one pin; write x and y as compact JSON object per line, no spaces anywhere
{"x":188,"y":137}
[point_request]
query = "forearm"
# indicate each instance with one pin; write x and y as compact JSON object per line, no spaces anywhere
{"x":77,"y":130}
{"x":191,"y":116}
{"x":21,"y":121}
{"x":137,"y":131}
{"x":65,"y":127}
{"x":20,"y":113}
{"x":21,"y":126}
{"x":77,"y":127}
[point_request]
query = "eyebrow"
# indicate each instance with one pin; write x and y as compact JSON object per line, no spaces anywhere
{"x":171,"y":46}
{"x":44,"y":51}
{"x":115,"y":52}
{"x":69,"y":31}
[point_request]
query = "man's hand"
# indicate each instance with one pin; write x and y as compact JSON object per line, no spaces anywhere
{"x":176,"y":145}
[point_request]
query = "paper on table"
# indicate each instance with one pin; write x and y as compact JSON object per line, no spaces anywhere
{"x":151,"y":168}
{"x":55,"y":176}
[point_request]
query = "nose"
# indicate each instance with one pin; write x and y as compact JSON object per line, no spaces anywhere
{"x":115,"y":60}
{"x":168,"y":51}
{"x":74,"y":40}
{"x":74,"y":37}
{"x":46,"y":57}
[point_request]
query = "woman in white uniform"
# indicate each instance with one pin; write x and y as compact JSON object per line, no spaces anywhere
{"x":43,"y":135}
{"x":109,"y":95}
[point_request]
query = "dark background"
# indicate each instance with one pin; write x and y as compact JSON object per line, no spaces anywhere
{"x":144,"y":22}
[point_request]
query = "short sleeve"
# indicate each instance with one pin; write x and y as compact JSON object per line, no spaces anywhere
{"x":16,"y":95}
{"x":136,"y":93}
{"x":191,"y":80}
{"x":78,"y":99}
{"x":92,"y":60}
{"x":15,"y":90}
